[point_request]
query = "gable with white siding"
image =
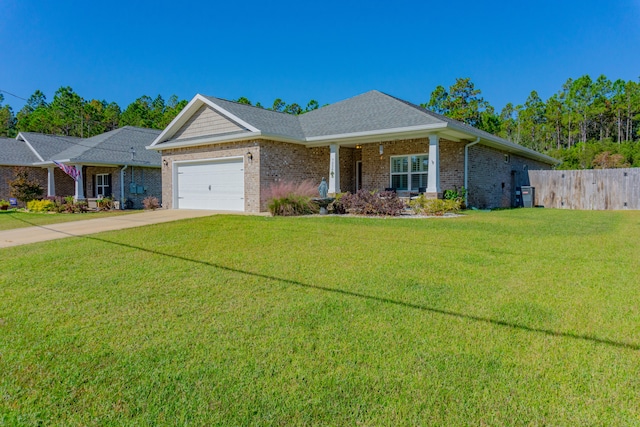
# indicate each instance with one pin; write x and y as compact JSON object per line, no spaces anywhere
{"x":206,"y":121}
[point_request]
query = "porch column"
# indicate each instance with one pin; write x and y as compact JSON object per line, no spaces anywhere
{"x":433,"y":177}
{"x":79,"y":184}
{"x":51,"y":182}
{"x":334,"y":169}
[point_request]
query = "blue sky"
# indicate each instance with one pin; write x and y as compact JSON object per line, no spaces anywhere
{"x":326,"y":50}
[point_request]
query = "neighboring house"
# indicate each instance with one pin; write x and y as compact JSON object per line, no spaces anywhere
{"x":219,"y":154}
{"x":114,"y":164}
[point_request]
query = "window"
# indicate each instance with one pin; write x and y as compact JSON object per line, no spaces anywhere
{"x":409,"y":173}
{"x":103,"y":185}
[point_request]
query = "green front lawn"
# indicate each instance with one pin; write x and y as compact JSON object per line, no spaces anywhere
{"x":19,"y":219}
{"x":521,"y":317}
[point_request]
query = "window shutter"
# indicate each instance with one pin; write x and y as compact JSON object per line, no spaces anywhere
{"x":108,"y":188}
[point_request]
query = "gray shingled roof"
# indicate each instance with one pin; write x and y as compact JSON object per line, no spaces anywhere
{"x":270,"y":122}
{"x":16,"y":153}
{"x":114,"y":147}
{"x":49,"y":145}
{"x":370,"y":111}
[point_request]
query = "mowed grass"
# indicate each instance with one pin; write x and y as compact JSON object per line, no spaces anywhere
{"x":20,"y":219}
{"x":521,"y":317}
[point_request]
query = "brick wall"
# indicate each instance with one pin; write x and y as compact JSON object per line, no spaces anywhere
{"x":65,"y":185}
{"x":376,"y":169}
{"x":493,"y":177}
{"x":8,"y":173}
{"x":281,"y":161}
{"x":233,"y":149}
{"x":148,"y":178}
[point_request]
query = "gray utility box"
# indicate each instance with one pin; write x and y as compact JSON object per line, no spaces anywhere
{"x":528,"y":196}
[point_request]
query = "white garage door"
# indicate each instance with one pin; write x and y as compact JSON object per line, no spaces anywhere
{"x":216,"y":185}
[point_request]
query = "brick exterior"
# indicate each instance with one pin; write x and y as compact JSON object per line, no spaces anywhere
{"x":493,"y":178}
{"x":8,"y":173}
{"x":376,"y":169}
{"x":65,"y":185}
{"x":218,"y":151}
{"x":491,"y":181}
{"x":149,"y":179}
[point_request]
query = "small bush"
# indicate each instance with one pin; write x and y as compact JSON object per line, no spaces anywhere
{"x":337,"y":207}
{"x":285,"y":198}
{"x":435,"y":207}
{"x":151,"y":203}
{"x":105,"y":204}
{"x":40,"y":205}
{"x":385,"y":203}
{"x":456,"y":194}
{"x":4,"y":205}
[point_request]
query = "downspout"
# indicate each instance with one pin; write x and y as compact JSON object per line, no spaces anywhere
{"x":122,"y":191}
{"x":466,"y":170}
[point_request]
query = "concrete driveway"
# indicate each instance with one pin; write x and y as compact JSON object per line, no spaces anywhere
{"x":23,"y":236}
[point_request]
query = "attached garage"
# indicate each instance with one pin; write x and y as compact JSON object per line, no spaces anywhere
{"x":211,"y":184}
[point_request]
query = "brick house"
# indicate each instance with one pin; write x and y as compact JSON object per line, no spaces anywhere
{"x":113,"y":164}
{"x":218,"y":154}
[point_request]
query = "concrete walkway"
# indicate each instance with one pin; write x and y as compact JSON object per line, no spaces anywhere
{"x":24,"y":236}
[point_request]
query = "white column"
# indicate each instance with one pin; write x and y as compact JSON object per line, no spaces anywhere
{"x":334,"y":169}
{"x":51,"y":182}
{"x":79,"y":185}
{"x":433,"y":178}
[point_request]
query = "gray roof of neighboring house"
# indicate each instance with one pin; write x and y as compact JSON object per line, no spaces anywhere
{"x":48,"y":145}
{"x":271,"y":122}
{"x":114,"y":147}
{"x":16,"y":153}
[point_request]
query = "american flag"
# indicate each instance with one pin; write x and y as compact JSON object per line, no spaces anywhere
{"x":69,"y":170}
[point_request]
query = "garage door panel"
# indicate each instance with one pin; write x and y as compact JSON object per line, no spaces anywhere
{"x":216,"y":185}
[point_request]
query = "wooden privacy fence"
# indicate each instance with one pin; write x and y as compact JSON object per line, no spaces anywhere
{"x":593,"y":189}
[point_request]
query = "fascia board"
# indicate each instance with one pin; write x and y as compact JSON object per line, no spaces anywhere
{"x":191,"y":108}
{"x":511,"y":147}
{"x":179,"y":120}
{"x":377,"y":133}
{"x":227,"y":138}
{"x":205,"y":141}
{"x":21,"y":137}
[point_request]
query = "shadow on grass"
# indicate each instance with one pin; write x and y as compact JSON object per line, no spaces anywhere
{"x":424,"y":308}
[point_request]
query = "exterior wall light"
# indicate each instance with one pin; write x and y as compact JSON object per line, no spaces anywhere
{"x":249,"y":156}
{"x":164,"y":162}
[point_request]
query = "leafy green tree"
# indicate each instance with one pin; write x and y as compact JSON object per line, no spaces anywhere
{"x":7,"y":119}
{"x":23,"y":187}
{"x":462,"y":102}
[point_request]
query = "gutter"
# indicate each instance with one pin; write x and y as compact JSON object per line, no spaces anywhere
{"x":122,"y":186}
{"x":466,"y":170}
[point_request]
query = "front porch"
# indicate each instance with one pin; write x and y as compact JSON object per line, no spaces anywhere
{"x":408,"y":167}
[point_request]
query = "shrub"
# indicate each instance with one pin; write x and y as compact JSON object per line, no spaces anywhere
{"x":385,"y":203}
{"x":435,"y":207}
{"x":151,"y":203}
{"x":455,"y":194}
{"x":40,"y":205}
{"x":104,"y":204}
{"x":285,"y":198}
{"x":4,"y":205}
{"x":23,"y":188}
{"x":337,"y":207}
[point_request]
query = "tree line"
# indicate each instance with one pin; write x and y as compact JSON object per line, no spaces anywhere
{"x":586,"y":123}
